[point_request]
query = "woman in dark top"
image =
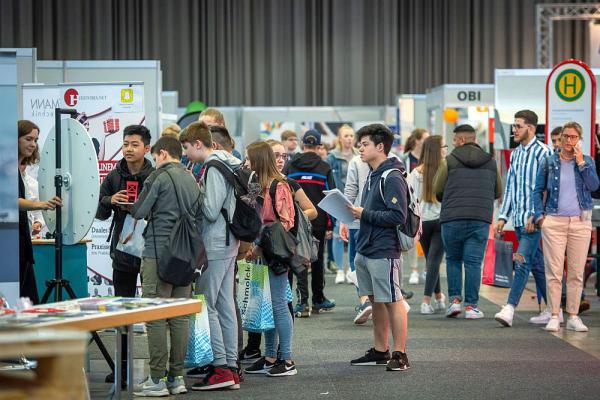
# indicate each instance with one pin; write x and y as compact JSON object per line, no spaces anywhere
{"x":28,"y":155}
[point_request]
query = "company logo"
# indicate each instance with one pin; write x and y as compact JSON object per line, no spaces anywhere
{"x":71,"y":96}
{"x":127,"y":95}
{"x":570,"y":85}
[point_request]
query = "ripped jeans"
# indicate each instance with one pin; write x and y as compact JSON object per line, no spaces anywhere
{"x":528,"y":258}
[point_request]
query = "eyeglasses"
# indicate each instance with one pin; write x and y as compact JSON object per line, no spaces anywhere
{"x":570,"y":137}
{"x":283,"y":156}
{"x":445,"y":146}
{"x":517,"y":127}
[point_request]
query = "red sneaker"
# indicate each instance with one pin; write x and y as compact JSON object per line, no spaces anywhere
{"x":236,"y":379}
{"x":220,"y":378}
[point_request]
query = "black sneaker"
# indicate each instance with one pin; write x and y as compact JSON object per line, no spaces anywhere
{"x":372,"y":357}
{"x":199,"y":372}
{"x":261,"y":366}
{"x":398,"y":362}
{"x":249,"y":356}
{"x":282,"y":368}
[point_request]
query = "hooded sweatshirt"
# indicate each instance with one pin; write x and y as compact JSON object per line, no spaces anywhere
{"x":467,"y":184}
{"x":377,"y":236}
{"x":314,"y":175}
{"x":116,"y":181}
{"x":218,"y":194}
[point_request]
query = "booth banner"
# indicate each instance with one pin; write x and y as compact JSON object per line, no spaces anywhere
{"x":105,"y":110}
{"x":571,"y":96}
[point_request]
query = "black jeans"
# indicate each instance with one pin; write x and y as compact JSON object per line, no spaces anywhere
{"x":433,"y":248}
{"x":317,"y":276}
{"x":125,"y":284}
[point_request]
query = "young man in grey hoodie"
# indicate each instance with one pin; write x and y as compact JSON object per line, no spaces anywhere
{"x":159,"y":201}
{"x":216,"y":282}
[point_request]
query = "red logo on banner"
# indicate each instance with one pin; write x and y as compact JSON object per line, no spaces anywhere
{"x":71,"y":97}
{"x":105,"y":167}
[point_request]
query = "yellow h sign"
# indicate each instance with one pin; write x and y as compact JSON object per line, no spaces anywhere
{"x":570,"y":85}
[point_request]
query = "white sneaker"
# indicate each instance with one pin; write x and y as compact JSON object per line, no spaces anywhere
{"x":454,"y":309}
{"x":149,"y":388}
{"x":473,"y":313}
{"x":349,"y":278}
{"x":426,"y":309}
{"x":553,"y":325}
{"x":440,"y":305}
{"x":176,"y":385}
{"x":545,"y":316}
{"x":340,"y":277}
{"x":505,"y":316}
{"x":575,"y":324}
{"x":414,"y":278}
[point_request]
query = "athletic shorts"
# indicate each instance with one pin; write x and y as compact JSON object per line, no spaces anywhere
{"x":379,"y":277}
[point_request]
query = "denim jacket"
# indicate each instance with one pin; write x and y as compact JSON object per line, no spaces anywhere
{"x":548,"y":178}
{"x":339,"y":167}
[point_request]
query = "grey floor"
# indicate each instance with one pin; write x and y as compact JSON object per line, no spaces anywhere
{"x":451,"y":359}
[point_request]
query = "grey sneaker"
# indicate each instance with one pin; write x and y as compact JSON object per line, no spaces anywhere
{"x":176,"y":385}
{"x":363,"y":313}
{"x":153,"y":388}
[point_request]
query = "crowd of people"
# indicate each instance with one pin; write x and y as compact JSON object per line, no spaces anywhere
{"x":547,"y":199}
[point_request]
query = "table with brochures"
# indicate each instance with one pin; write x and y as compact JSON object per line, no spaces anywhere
{"x":94,"y":314}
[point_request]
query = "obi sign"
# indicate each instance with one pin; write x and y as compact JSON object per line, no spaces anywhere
{"x":571,"y":96}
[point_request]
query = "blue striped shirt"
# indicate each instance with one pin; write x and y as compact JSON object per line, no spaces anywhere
{"x":518,"y":196}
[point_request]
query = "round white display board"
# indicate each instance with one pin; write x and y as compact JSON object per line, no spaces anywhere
{"x":81,"y":179}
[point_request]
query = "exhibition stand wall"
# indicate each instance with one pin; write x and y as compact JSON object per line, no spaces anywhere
{"x":412,"y":113}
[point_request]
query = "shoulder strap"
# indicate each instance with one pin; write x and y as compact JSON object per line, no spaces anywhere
{"x":384,"y":177}
{"x":272,"y":194}
{"x":223,"y":169}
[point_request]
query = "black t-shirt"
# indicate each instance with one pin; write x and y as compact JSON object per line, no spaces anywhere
{"x":295,"y":186}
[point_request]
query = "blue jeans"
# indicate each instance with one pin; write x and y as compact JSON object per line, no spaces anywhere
{"x":532,"y":260}
{"x":337,"y":247}
{"x":464,"y":241}
{"x":352,"y":247}
{"x":284,"y":327}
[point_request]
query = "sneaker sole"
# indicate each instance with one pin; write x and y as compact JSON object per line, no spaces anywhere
{"x":363,"y":317}
{"x":396,"y":369}
{"x":178,"y":391}
{"x":216,"y":386}
{"x":503,"y":322}
{"x":287,"y":373}
{"x":474,"y":316}
{"x":575,"y":330}
{"x":162,"y":393}
{"x":322,"y":310}
{"x":235,"y":386}
{"x":453,"y":314}
{"x":262,"y":371}
{"x":370,"y":364}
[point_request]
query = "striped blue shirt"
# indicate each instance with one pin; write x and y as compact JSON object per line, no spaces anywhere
{"x":518,"y":196}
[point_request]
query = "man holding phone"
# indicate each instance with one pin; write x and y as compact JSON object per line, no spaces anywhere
{"x":518,"y":203}
{"x":118,"y":191}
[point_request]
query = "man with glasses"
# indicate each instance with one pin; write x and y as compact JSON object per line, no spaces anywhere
{"x":518,"y":203}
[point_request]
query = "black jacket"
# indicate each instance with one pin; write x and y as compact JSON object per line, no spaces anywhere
{"x":314,"y":175}
{"x":377,"y":236}
{"x":471,"y":185}
{"x":114,"y":182}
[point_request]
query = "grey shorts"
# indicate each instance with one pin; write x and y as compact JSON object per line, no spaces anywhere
{"x":379,"y":277}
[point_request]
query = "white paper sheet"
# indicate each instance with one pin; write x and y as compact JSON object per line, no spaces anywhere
{"x":336,"y":205}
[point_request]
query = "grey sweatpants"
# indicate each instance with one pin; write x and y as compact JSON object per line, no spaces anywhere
{"x":216,"y":284}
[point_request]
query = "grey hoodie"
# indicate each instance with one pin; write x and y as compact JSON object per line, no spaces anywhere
{"x":158,"y":202}
{"x":218,"y":194}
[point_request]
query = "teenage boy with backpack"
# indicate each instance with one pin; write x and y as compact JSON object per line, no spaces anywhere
{"x":130,"y":172}
{"x":167,"y":192}
{"x":314,"y":175}
{"x":216,"y":282}
{"x":378,"y":265}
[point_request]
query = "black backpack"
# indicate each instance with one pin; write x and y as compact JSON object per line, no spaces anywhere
{"x":245,"y":223}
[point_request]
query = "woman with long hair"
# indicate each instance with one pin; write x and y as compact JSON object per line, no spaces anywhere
{"x":28,"y":155}
{"x":251,"y":352}
{"x":421,"y":180}
{"x":261,"y":160}
{"x":338,"y":159}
